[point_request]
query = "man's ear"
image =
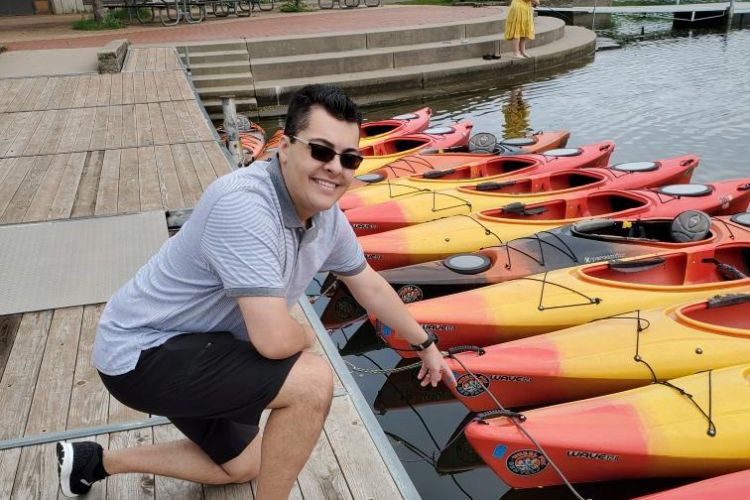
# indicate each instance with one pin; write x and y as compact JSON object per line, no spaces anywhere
{"x":284,"y":145}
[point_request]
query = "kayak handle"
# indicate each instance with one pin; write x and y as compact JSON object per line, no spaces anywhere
{"x":436,"y":174}
{"x":493,"y":186}
{"x":465,"y":348}
{"x":635,"y":266}
{"x":499,"y":413}
{"x":727,"y":300}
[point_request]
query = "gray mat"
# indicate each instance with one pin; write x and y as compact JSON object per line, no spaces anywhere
{"x":48,"y":265}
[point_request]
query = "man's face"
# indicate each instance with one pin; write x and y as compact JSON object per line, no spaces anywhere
{"x":315,"y":186}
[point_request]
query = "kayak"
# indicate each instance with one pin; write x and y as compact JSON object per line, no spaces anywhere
{"x":392,"y":148}
{"x":431,"y":204}
{"x":609,"y":355}
{"x":372,"y":132}
{"x":563,"y":298}
{"x":409,"y":123}
{"x":468,"y":170}
{"x":457,"y":156}
{"x":654,"y":431}
{"x":252,"y":140}
{"x":571,"y":245}
{"x":469,"y":233}
{"x":734,"y":486}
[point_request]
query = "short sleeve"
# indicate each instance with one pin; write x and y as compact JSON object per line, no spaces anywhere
{"x":242,"y":242}
{"x":347,"y":257}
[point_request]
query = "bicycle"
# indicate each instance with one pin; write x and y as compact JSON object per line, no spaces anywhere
{"x":348,"y":4}
{"x":222,"y":8}
{"x":264,"y":5}
{"x":172,"y":11}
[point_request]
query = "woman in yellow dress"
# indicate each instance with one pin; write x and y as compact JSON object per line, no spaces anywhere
{"x":519,"y":26}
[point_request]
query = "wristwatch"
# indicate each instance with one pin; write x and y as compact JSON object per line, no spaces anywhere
{"x":431,"y":339}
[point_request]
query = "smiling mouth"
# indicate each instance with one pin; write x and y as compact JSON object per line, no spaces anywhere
{"x":327,"y":185}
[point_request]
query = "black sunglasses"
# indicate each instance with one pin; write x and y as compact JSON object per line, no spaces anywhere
{"x":325,"y":154}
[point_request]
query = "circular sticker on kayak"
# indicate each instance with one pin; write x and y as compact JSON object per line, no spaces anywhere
{"x":526,"y":462}
{"x":468,"y":386}
{"x":410,"y":293}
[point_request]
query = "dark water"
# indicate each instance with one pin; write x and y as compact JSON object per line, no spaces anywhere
{"x":687,"y":93}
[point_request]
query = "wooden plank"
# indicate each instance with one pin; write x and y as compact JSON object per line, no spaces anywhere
{"x":360,"y":460}
{"x":158,"y":127}
{"x":201,"y":126}
{"x":189,"y":183}
{"x":6,"y":166}
{"x":68,"y":139}
{"x":99,"y":131}
{"x":87,"y":168}
{"x":25,"y":133}
{"x":128,"y":198}
{"x":71,"y":82}
{"x":20,"y":375}
{"x":114,"y":128}
{"x":89,"y":400}
{"x":170,"y":80}
{"x":139,"y":88}
{"x":321,"y":478}
{"x":169,"y":183}
{"x":79,"y":99}
{"x":203,"y":168}
{"x":167,"y":487}
{"x":130,"y":486}
{"x":184,"y":120}
{"x":174,"y":131}
{"x":150,"y":59}
{"x":243,"y":491}
{"x":92,"y":94}
{"x":115,"y":96}
{"x":20,"y":98}
{"x":12,"y":129}
{"x":8,"y":327}
{"x":45,"y":95}
{"x":128,"y":93}
{"x":161,"y":59}
{"x":13,"y":179}
{"x":162,"y":88}
{"x":5,"y":85}
{"x":144,"y":134}
{"x":66,"y":192}
{"x":56,"y":132}
{"x":185,"y":89}
{"x":105,"y":89}
{"x":152,"y":94}
{"x":6,"y":121}
{"x":36,"y":476}
{"x":41,"y":204}
{"x":7,"y":98}
{"x":219,"y":161}
{"x":142,"y":59}
{"x":30,"y":104}
{"x":58,"y":93}
{"x":38,"y":140}
{"x":8,"y":467}
{"x":132,"y":59}
{"x":83,"y":137}
{"x":106,"y":197}
{"x":129,"y":127}
{"x":21,"y":200}
{"x":148,"y":178}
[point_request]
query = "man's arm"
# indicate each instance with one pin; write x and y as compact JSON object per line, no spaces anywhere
{"x":272,"y":330}
{"x":377,"y":296}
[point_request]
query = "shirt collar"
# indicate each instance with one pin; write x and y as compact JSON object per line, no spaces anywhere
{"x":288,"y":212}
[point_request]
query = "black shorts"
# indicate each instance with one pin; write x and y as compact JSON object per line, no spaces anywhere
{"x":211,"y":386}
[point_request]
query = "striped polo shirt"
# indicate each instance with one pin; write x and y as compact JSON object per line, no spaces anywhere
{"x":243,"y":239}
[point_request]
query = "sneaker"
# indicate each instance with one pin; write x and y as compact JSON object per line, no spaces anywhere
{"x":79,"y":465}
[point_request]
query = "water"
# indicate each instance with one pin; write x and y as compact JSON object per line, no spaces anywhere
{"x":656,"y":98}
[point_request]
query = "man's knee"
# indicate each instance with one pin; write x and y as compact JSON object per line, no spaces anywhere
{"x":317,"y":383}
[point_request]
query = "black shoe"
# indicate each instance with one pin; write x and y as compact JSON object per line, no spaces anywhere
{"x":79,"y":465}
{"x":489,"y":57}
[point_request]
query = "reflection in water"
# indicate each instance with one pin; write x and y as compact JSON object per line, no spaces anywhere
{"x":516,"y":114}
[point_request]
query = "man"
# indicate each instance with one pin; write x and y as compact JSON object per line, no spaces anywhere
{"x":202,"y":334}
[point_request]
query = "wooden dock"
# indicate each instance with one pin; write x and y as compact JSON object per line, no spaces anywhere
{"x":95,"y":145}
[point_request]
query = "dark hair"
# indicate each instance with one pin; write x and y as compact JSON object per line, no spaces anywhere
{"x":330,"y":98}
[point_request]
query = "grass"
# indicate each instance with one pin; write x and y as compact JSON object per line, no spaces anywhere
{"x":292,"y":6}
{"x":89,"y":24}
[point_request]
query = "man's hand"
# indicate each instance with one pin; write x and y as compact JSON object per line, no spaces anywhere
{"x":434,"y":368}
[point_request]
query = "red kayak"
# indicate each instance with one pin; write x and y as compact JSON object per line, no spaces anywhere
{"x":457,"y":156}
{"x":735,"y":486}
{"x":430,"y":205}
{"x":454,"y":170}
{"x":468,"y":233}
{"x":409,"y":123}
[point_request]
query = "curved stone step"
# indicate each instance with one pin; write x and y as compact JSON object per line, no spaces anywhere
{"x":388,"y":84}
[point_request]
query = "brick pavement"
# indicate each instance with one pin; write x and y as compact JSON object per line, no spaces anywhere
{"x":48,"y":33}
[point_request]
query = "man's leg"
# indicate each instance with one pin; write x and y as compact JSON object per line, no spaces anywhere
{"x":299,"y":411}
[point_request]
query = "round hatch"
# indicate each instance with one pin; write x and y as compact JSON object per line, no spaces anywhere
{"x":467,"y":263}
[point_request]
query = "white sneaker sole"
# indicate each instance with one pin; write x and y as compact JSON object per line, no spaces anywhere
{"x":66,"y":468}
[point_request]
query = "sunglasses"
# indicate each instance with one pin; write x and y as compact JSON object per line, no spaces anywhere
{"x":325,"y":154}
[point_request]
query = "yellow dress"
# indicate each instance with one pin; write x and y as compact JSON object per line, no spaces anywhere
{"x":520,"y":21}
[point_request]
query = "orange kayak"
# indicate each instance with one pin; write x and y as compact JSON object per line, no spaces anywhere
{"x":694,"y":426}
{"x":608,"y":355}
{"x":468,"y":233}
{"x":482,"y":170}
{"x":471,"y":198}
{"x":455,"y":157}
{"x":733,"y":486}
